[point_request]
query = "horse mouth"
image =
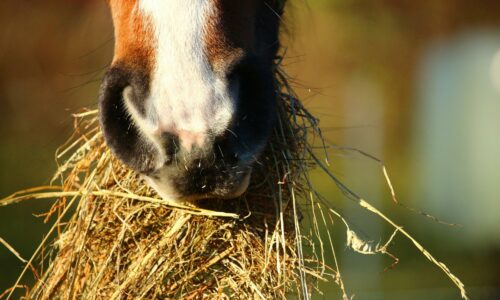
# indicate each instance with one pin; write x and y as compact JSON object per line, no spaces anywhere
{"x":238,"y":190}
{"x":186,"y":187}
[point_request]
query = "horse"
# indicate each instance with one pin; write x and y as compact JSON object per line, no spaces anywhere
{"x":189,"y":100}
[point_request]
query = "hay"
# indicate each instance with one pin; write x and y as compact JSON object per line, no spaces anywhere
{"x":123,"y":242}
{"x":114,"y":238}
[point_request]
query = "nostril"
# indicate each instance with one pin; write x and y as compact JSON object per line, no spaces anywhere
{"x":133,"y":102}
{"x":226,"y":150}
{"x":122,"y":135}
{"x":170,"y":144}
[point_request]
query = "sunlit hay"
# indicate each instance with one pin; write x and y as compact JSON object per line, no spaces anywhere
{"x":123,"y":241}
{"x":114,"y":238}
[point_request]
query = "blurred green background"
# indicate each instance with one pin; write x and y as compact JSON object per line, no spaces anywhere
{"x":415,"y":83}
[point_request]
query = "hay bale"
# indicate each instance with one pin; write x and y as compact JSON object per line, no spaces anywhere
{"x":123,"y":242}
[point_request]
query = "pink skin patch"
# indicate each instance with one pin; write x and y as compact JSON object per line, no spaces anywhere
{"x":188,"y":139}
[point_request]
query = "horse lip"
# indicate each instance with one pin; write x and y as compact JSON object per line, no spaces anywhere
{"x":241,"y":188}
{"x":234,"y":189}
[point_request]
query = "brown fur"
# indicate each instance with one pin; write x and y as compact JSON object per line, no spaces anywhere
{"x":134,"y":42}
{"x":229,"y":32}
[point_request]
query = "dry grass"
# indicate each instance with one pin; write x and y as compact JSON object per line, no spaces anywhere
{"x":113,"y":238}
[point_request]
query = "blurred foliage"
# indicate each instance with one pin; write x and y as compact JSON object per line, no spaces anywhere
{"x":353,"y":62}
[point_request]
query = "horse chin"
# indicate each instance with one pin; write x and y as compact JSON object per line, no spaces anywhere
{"x":224,"y":190}
{"x":238,"y":190}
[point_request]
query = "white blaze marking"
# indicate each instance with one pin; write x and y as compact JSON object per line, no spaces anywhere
{"x":185,"y":94}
